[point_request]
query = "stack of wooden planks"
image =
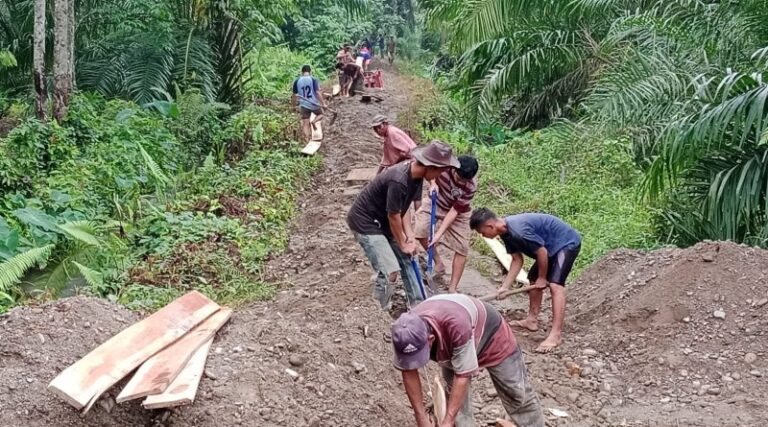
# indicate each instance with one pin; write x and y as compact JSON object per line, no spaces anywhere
{"x":169,"y":348}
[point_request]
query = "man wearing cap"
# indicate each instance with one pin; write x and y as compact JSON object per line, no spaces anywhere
{"x":463,"y":335}
{"x":455,"y":189}
{"x":381,"y":220}
{"x":397,"y":144}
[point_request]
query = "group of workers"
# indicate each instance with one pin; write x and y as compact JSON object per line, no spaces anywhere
{"x":391,"y":219}
{"x":351,"y":70}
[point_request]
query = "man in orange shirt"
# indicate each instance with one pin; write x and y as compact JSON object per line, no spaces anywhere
{"x":397,"y":144}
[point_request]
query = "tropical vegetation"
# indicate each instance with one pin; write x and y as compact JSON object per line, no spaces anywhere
{"x":152,"y":150}
{"x":683,"y":81}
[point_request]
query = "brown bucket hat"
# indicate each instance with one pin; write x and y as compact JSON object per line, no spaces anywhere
{"x":436,"y":154}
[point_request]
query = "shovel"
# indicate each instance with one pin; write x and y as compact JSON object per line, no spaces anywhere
{"x":505,"y":294}
{"x":430,"y":277}
{"x":419,"y":282}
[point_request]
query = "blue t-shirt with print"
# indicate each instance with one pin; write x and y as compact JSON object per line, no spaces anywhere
{"x":307,"y":88}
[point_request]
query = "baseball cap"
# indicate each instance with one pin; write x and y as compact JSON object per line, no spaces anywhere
{"x":378,"y":120}
{"x":410,"y":338}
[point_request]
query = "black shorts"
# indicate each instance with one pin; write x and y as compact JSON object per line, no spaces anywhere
{"x":306,"y":113}
{"x":560,"y":266}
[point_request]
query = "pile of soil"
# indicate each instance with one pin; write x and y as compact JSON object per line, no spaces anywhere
{"x":36,"y":343}
{"x":670,"y":337}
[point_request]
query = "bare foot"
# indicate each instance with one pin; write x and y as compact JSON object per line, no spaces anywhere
{"x":529,"y":324}
{"x":549,"y":344}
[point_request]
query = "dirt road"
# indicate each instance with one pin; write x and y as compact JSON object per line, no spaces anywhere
{"x":318,"y":355}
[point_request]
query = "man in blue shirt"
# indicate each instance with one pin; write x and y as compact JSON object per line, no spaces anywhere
{"x":553,"y":244}
{"x":306,"y":90}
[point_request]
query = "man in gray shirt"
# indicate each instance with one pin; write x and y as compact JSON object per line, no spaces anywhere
{"x":553,"y":244}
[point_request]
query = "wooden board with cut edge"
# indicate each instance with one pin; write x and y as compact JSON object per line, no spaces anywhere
{"x":154,"y":376}
{"x":311,"y":148}
{"x":83,"y":382}
{"x":361,"y":175}
{"x":183,"y":389}
{"x":439,"y":401}
{"x":506,"y":259}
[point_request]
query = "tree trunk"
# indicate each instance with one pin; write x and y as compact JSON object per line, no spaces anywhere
{"x":71,"y":40}
{"x":41,"y":95}
{"x":62,"y":62}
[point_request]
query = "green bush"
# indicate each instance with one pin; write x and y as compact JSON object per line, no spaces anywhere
{"x":140,"y":204}
{"x":273,"y":70}
{"x":591,"y":184}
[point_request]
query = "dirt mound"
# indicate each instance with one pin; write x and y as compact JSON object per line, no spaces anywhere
{"x":36,"y":343}
{"x":684,"y":331}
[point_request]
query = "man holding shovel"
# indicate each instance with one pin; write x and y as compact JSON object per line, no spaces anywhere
{"x":306,"y":90}
{"x":381,"y":220}
{"x":553,"y":244}
{"x":463,"y":335}
{"x":454,"y":189}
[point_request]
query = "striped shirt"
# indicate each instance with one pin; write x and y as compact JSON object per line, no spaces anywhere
{"x":455,"y":194}
{"x":469,"y":334}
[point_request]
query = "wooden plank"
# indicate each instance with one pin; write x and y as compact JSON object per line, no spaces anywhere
{"x":82,"y":383}
{"x":160,"y":370}
{"x":361,"y":174}
{"x":439,"y":400}
{"x":506,"y":259}
{"x":311,"y":148}
{"x":183,"y":389}
{"x":317,"y":131}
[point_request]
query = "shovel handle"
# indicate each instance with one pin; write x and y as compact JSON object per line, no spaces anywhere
{"x":506,"y":294}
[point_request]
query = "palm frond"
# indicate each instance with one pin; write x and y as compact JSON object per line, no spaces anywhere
{"x":154,"y":168}
{"x":92,"y":277}
{"x":12,"y":270}
{"x":82,"y":231}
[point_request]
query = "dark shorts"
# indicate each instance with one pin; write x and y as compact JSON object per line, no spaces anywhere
{"x":560,"y":266}
{"x":306,"y":113}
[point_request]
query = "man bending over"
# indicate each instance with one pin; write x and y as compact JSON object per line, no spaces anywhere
{"x":553,"y":244}
{"x":463,"y":334}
